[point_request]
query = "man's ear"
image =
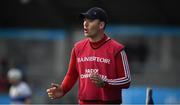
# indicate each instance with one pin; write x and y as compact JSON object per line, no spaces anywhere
{"x":102,"y":25}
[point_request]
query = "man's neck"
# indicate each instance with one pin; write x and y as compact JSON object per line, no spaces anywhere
{"x":97,"y":37}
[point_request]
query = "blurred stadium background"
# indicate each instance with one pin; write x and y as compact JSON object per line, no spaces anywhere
{"x":37,"y":36}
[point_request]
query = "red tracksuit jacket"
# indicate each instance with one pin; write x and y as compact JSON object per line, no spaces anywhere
{"x":106,"y":58}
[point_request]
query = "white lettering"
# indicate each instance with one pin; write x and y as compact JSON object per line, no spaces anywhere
{"x":89,"y":72}
{"x":86,"y":59}
{"x":93,"y":58}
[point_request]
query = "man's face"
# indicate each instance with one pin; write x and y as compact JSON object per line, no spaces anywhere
{"x":91,"y":27}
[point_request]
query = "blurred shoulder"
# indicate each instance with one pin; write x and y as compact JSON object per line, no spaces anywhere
{"x":81,"y":43}
{"x":116,"y":45}
{"x":25,"y":88}
{"x":24,"y":85}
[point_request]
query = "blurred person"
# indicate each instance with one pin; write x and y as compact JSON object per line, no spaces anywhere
{"x":20,"y":92}
{"x":98,"y":62}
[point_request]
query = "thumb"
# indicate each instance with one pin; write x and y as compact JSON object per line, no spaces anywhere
{"x":54,"y":85}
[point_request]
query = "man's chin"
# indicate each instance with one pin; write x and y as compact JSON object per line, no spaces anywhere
{"x":87,"y":35}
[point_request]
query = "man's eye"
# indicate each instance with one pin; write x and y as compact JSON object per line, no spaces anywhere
{"x":90,"y":20}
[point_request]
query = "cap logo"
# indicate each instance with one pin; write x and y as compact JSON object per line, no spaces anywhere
{"x":95,"y":13}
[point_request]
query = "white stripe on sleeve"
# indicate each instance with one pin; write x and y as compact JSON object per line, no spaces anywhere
{"x":126,"y":78}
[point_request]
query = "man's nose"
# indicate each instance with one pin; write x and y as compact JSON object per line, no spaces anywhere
{"x":85,"y":23}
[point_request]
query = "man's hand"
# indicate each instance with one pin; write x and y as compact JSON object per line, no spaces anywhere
{"x":55,"y":91}
{"x":95,"y":78}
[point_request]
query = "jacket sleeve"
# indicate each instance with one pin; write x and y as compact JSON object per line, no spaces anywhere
{"x":72,"y":74}
{"x":123,"y":73}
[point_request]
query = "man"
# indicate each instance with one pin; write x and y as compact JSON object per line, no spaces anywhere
{"x":99,"y":62}
{"x":19,"y":92}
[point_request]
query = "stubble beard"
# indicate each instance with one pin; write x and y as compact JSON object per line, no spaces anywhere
{"x":90,"y":35}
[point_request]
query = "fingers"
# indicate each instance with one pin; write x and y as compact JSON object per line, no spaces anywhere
{"x":53,"y":87}
{"x":51,"y":90}
{"x":50,"y":95}
{"x":96,"y":79}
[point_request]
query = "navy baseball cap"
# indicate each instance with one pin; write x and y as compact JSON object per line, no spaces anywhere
{"x":95,"y":13}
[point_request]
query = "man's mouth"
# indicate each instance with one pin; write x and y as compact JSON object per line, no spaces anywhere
{"x":85,"y":30}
